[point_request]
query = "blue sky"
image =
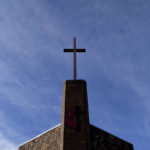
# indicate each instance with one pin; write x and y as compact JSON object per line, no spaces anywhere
{"x":33,"y":66}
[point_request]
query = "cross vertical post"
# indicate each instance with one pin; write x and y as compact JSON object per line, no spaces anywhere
{"x":75,"y":58}
{"x":74,"y":50}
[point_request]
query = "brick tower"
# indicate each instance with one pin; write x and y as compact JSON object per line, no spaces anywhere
{"x":75,"y":132}
{"x":75,"y":117}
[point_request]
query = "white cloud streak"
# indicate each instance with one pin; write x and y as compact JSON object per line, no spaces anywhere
{"x":6,"y":144}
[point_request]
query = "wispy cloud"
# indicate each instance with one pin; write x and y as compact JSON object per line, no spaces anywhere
{"x":133,"y":75}
{"x":6,"y":144}
{"x":32,"y":65}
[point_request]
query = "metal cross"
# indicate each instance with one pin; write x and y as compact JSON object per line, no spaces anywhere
{"x":74,"y":50}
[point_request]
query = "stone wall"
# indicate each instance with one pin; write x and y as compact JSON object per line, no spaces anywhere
{"x":102,"y":140}
{"x":75,"y":116}
{"x":49,"y":140}
{"x":75,"y":132}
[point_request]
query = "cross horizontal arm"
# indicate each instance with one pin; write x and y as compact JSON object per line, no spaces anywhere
{"x":72,"y":50}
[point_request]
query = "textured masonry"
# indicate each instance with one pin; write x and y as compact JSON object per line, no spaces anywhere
{"x":75,"y":131}
{"x":49,"y":140}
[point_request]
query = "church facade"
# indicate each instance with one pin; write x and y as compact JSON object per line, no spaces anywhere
{"x":75,"y":131}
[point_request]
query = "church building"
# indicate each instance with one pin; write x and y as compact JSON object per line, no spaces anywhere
{"x":75,"y":131}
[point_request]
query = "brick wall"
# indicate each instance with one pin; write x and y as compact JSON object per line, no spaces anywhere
{"x":75,"y":116}
{"x":49,"y":140}
{"x":102,"y":140}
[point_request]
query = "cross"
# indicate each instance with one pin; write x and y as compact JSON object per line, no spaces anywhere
{"x":74,"y":50}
